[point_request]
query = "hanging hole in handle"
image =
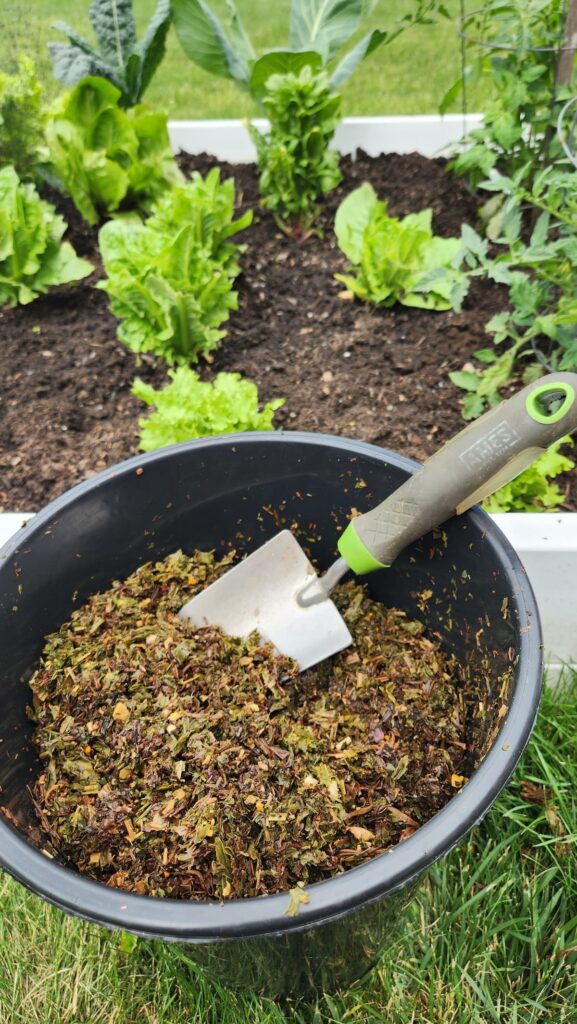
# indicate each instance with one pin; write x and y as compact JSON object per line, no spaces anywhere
{"x":550,"y":402}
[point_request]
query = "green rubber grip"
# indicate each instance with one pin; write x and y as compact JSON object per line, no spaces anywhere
{"x":467,"y":469}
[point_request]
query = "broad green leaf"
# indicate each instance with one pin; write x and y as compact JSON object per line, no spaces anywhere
{"x":323,"y":25}
{"x":452,"y":94}
{"x":88,"y":100}
{"x":280,"y":62}
{"x":485,"y":355}
{"x":70,"y":64}
{"x":152,"y":46}
{"x":473,"y":242}
{"x":507,"y":129}
{"x":511,"y":223}
{"x":113,"y":23}
{"x":132,"y":81}
{"x":440,"y":252}
{"x":238,"y":33}
{"x":541,"y":229}
{"x":498,"y":323}
{"x":465,"y":379}
{"x":497,"y":182}
{"x":352,"y":218}
{"x":351,"y":61}
{"x":75,"y":38}
{"x":205,"y":42}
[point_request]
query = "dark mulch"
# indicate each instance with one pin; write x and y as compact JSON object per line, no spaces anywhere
{"x":344,"y":368}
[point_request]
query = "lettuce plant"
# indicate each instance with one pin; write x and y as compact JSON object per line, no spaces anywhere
{"x":21,"y":119}
{"x":295,"y":163}
{"x":170,"y":279}
{"x":33,"y":257}
{"x":396,"y":260}
{"x":105,"y":157}
{"x":533,"y":490}
{"x":188,"y":408}
{"x":118,"y":56}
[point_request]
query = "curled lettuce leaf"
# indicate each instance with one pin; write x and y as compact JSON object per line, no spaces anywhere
{"x":33,"y":257}
{"x":188,"y":408}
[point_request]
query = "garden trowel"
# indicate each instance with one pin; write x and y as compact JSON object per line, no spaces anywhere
{"x":276,"y":591}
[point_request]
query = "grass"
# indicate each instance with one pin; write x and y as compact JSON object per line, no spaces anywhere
{"x":491,"y":939}
{"x":408,"y":77}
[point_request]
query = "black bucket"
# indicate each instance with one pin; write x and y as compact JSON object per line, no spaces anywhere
{"x":239,"y":490}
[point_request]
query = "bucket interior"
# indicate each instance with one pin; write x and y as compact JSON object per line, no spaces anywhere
{"x":239,"y":494}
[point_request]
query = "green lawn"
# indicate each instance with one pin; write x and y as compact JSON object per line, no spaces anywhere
{"x":408,"y":77}
{"x":492,"y":938}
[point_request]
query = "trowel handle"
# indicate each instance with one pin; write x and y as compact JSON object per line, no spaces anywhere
{"x":481,"y":458}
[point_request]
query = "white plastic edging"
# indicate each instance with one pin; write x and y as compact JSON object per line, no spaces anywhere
{"x":547,"y":546}
{"x":427,"y":134}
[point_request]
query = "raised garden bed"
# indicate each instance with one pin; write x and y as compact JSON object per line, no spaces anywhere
{"x":343,"y":367}
{"x":65,"y":405}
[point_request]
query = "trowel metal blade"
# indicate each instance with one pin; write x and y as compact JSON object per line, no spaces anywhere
{"x":260,"y":593}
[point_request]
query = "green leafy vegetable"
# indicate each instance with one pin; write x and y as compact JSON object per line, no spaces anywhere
{"x":532,"y":490}
{"x":32,"y":256}
{"x":317,"y":32}
{"x":170,"y":280}
{"x":397,"y":260}
{"x":118,"y":57}
{"x":107,"y":158}
{"x":540,"y":324}
{"x":21,"y":119}
{"x":189,"y":407}
{"x":522,"y":62}
{"x":295,"y":163}
{"x":206,"y":205}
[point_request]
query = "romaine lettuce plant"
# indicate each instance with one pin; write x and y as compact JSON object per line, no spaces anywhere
{"x":533,"y":490}
{"x":206,"y":206}
{"x":188,"y":408}
{"x":119,"y":56}
{"x":33,"y":257}
{"x":397,"y":260}
{"x":21,"y":119}
{"x":295,"y":163}
{"x":170,"y":280}
{"x":107,"y":158}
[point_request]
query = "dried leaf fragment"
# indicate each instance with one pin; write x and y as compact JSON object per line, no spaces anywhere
{"x":296,"y":898}
{"x":121,"y":712}
{"x":364,"y":835}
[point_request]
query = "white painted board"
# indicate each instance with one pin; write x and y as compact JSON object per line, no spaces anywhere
{"x":427,"y":134}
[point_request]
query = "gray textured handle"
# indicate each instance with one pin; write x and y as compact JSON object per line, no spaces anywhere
{"x":481,"y":458}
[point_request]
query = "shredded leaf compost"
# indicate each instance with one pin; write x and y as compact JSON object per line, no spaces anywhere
{"x":181,"y":762}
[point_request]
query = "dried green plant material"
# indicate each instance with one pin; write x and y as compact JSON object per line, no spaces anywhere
{"x":181,"y":762}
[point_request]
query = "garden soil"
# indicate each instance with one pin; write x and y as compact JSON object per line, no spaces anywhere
{"x":345,"y":368}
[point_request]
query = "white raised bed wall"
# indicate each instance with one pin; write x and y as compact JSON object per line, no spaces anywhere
{"x":425,"y":133}
{"x":547,"y":546}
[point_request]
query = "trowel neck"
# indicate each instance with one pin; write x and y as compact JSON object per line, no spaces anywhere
{"x":333,"y":575}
